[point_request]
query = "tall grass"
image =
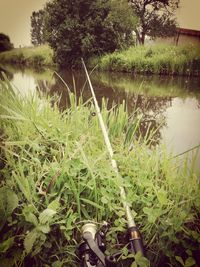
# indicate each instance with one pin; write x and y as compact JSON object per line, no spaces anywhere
{"x":56,"y":174}
{"x":157,"y":59}
{"x":29,"y":56}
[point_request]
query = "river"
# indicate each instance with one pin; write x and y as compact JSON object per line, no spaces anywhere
{"x":170,"y":104}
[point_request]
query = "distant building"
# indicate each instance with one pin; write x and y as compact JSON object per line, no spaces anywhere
{"x":183,"y":37}
{"x":187,"y":36}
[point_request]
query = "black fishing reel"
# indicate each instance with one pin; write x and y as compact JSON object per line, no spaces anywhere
{"x":92,"y":248}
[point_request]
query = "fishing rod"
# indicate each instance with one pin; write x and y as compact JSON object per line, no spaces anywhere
{"x":93,"y":246}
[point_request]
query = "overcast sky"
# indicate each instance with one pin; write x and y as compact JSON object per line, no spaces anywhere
{"x":15,"y":17}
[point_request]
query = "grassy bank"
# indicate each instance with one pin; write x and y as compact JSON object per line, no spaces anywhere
{"x":155,"y":59}
{"x":55,"y":173}
{"x":29,"y":56}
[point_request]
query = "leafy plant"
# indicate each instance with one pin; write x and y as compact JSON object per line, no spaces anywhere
{"x":58,"y":175}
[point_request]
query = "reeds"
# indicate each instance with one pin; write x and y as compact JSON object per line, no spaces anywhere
{"x":56,"y":166}
{"x":155,"y":59}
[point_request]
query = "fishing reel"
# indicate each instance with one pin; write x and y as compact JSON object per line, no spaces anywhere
{"x":92,"y":248}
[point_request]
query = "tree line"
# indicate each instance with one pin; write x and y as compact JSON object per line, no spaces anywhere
{"x":5,"y":43}
{"x":84,"y":28}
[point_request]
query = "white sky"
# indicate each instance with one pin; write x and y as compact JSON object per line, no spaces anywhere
{"x":189,"y":14}
{"x":15,"y":17}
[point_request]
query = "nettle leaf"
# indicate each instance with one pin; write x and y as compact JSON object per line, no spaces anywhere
{"x":8,"y":202}
{"x":44,"y":228}
{"x":6,"y":244}
{"x":46,"y":216}
{"x":30,"y":240}
{"x":30,"y":216}
{"x":54,"y":205}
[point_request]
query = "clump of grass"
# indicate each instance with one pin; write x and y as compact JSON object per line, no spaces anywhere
{"x":29,"y":56}
{"x":56,"y":173}
{"x":155,"y":59}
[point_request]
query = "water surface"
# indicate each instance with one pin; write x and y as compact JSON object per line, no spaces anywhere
{"x":172,"y":104}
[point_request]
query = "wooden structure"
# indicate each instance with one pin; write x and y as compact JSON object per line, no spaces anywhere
{"x":182,"y":37}
{"x":185,"y":36}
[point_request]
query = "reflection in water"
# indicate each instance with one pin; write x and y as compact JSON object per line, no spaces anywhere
{"x":26,"y":84}
{"x":183,"y":126}
{"x":169,"y":104}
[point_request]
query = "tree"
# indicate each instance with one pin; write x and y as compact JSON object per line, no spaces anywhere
{"x":156,"y":18}
{"x":5,"y":43}
{"x":37,"y":27}
{"x":82,"y":28}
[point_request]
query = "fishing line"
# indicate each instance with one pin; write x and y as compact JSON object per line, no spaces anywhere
{"x":186,"y":151}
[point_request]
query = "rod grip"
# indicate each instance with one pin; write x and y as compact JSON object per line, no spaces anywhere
{"x":135,"y":241}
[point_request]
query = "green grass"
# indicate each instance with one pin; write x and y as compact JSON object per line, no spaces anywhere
{"x":55,"y":173}
{"x":29,"y":56}
{"x":154,"y":59}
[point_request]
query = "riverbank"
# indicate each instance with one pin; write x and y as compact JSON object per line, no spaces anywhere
{"x":57,"y":174}
{"x":154,"y":59}
{"x":29,"y":56}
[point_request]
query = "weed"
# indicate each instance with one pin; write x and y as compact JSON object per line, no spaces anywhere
{"x":57,"y":173}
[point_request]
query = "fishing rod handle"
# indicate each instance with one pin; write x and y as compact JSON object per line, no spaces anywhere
{"x":135,"y":241}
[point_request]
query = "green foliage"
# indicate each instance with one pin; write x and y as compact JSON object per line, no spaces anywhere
{"x":37,"y":27}
{"x":5,"y":43}
{"x":57,"y":165}
{"x":29,"y":56}
{"x":156,"y":18}
{"x":85,"y":28}
{"x":8,"y":202}
{"x":158,"y":59}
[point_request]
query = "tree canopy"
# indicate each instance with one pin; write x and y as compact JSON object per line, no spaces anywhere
{"x":156,"y":18}
{"x":37,"y":27}
{"x":82,"y":28}
{"x":5,"y":43}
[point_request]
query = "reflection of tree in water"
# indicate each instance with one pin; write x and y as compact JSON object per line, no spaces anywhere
{"x":152,"y":108}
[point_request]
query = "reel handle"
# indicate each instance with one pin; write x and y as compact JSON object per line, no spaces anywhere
{"x":92,"y":247}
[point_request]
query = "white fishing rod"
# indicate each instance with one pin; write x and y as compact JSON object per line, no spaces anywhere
{"x":134,"y":235}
